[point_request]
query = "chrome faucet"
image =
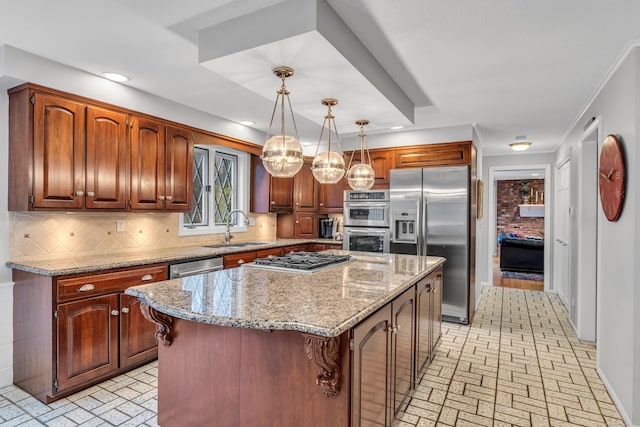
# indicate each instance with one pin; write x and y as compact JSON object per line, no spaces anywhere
{"x":227,"y":234}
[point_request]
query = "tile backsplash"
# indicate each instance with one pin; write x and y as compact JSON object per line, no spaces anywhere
{"x":34,"y":235}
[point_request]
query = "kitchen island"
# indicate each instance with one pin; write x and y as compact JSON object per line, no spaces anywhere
{"x":258,"y":347}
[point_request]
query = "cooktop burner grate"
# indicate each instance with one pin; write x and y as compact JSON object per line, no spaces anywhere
{"x":304,"y":261}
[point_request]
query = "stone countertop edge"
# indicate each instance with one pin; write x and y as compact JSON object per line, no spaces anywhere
{"x":66,"y":265}
{"x":289,"y":325}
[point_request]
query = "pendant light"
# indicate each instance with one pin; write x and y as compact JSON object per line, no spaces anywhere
{"x":282,"y":154}
{"x":328,"y":167}
{"x":361,"y":176}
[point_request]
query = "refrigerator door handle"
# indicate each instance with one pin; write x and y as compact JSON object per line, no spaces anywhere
{"x":425,"y":229}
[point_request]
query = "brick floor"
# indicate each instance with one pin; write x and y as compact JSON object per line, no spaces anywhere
{"x":518,"y":364}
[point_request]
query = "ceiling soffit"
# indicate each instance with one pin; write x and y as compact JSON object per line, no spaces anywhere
{"x":310,"y":37}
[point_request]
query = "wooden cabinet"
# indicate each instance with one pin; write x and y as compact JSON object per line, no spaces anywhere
{"x":446,"y":154}
{"x":332,"y":197}
{"x":269,"y":194}
{"x":265,"y":253}
{"x":87,"y":340}
{"x":306,"y":189}
{"x":316,"y":247}
{"x":161,"y":166}
{"x":382,"y":362}
{"x":237,"y":259}
{"x":106,"y":159}
{"x":71,"y":153}
{"x":307,"y":225}
{"x":381,"y":162}
{"x":428,"y":320}
{"x":74,"y":331}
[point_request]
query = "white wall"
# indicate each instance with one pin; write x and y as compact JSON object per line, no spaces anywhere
{"x":618,"y":246}
{"x":16,"y":67}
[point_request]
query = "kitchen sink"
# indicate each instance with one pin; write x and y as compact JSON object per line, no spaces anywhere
{"x":235,"y":245}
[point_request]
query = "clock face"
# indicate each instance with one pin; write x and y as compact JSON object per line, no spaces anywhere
{"x":611,"y":178}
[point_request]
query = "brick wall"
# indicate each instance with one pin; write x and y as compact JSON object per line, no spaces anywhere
{"x":508,"y":198}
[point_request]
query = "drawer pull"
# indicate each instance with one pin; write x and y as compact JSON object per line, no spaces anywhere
{"x":125,"y":310}
{"x":146,"y":277}
{"x":241,"y":261}
{"x":114,"y":312}
{"x":86,"y":288}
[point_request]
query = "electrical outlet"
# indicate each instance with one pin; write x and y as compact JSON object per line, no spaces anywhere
{"x":119,"y":225}
{"x":252,"y":221}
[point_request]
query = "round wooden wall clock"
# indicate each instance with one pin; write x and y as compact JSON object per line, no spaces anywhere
{"x":611,"y":178}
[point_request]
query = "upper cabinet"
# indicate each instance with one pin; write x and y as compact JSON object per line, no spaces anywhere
{"x":306,"y":189}
{"x":381,"y":162}
{"x":446,"y":154}
{"x":68,"y":153}
{"x":106,"y":159}
{"x":269,"y":194}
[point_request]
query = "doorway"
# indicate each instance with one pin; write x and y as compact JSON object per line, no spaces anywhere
{"x":518,"y":174}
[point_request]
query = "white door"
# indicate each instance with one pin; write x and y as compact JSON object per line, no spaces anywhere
{"x":562,"y":226}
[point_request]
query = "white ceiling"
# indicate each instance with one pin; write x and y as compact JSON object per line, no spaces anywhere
{"x":511,"y":67}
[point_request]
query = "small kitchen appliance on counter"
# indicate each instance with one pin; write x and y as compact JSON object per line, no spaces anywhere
{"x":327,"y":228}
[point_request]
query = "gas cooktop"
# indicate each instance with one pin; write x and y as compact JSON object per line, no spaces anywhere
{"x":302,"y":262}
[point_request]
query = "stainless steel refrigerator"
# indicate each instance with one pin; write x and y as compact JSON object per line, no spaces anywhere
{"x":431,"y":215}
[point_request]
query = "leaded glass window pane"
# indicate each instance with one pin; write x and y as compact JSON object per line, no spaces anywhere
{"x":224,"y":180}
{"x":199,"y":216}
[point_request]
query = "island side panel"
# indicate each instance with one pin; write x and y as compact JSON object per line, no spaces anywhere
{"x":234,"y":377}
{"x":279,"y":387}
{"x":199,"y":376}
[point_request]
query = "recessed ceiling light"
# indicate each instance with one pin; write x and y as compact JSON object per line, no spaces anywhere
{"x":116,"y":77}
{"x":396,"y":127}
{"x":247,"y":123}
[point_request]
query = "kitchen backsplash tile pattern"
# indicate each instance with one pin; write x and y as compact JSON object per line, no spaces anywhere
{"x":34,"y":235}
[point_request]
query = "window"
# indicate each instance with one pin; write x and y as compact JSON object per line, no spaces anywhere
{"x":220,"y":184}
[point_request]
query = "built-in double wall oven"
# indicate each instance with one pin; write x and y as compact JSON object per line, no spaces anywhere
{"x":366,"y":221}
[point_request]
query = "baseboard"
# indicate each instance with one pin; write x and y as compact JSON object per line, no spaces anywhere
{"x":616,"y":401}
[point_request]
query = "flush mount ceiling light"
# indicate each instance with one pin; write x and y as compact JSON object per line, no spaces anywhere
{"x":361,"y":176}
{"x":520,"y":144}
{"x":282,"y":154}
{"x":328,"y":167}
{"x":116,"y":77}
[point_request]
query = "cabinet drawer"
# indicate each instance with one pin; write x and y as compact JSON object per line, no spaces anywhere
{"x":269,"y":252}
{"x":296,"y":248}
{"x":98,"y":284}
{"x":316,"y":247}
{"x":235,"y":260}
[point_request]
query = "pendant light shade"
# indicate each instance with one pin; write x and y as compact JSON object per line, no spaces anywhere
{"x":361,"y":176}
{"x":328,"y":167}
{"x":282,"y":153}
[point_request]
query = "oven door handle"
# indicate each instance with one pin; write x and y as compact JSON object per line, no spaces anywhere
{"x":374,"y":232}
{"x":366,"y":205}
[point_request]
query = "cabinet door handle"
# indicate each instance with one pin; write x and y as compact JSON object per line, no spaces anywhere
{"x":321,"y":204}
{"x":79,"y":193}
{"x":160,"y":197}
{"x":273,"y":202}
{"x":90,"y":193}
{"x":393,"y":329}
{"x":169,"y":197}
{"x":146,"y":277}
{"x":86,"y":288}
{"x":125,"y":310}
{"x":297,"y":203}
{"x":297,"y":222}
{"x":114,"y":312}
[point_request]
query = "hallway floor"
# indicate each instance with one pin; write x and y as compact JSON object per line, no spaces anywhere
{"x":519,"y":364}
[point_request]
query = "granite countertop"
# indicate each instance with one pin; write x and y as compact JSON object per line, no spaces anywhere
{"x":63,"y":265}
{"x":325,"y":303}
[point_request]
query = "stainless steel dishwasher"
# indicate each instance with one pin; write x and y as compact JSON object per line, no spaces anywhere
{"x":191,"y":268}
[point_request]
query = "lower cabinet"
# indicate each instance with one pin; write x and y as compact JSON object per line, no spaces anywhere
{"x":382,"y":362}
{"x":74,"y":331}
{"x":390,"y":348}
